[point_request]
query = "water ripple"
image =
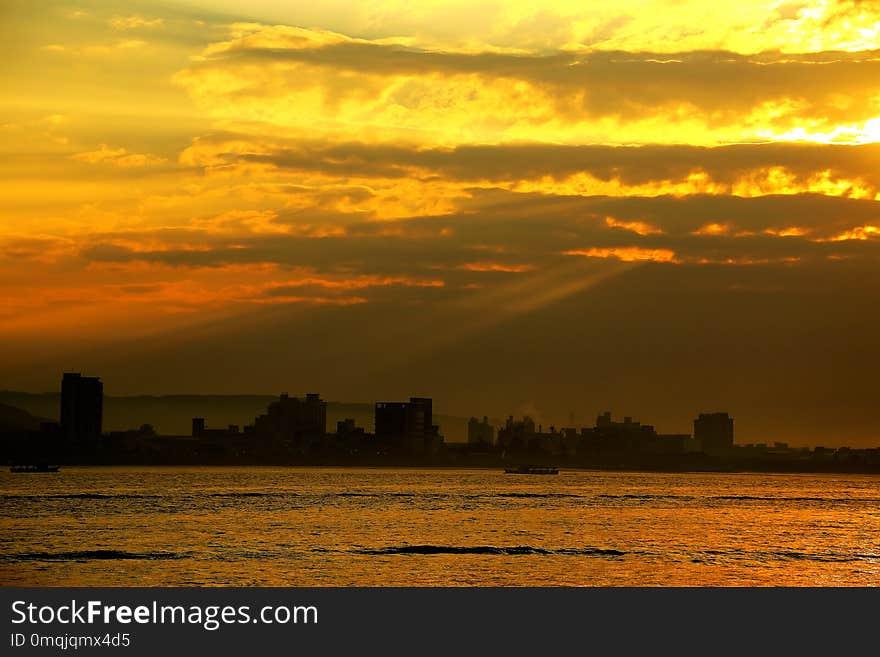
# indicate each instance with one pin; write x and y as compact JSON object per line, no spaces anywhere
{"x":91,"y":555}
{"x":486,"y":549}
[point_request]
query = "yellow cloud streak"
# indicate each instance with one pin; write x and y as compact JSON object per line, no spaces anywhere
{"x":322,"y":83}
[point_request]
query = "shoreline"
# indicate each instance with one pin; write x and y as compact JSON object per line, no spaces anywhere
{"x":449,"y":467}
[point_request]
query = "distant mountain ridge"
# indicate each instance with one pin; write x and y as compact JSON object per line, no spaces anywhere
{"x":14,"y":419}
{"x":172,"y":414}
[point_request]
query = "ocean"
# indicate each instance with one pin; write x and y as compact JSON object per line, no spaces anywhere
{"x":263,"y":526}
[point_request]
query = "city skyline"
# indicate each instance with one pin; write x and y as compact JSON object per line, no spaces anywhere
{"x":294,"y":431}
{"x":82,"y":411}
{"x":577,"y":418}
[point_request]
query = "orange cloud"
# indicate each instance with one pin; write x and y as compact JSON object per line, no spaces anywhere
{"x":638,"y":227}
{"x":791,"y":231}
{"x":712,"y":229}
{"x":496,"y":266}
{"x":858,"y":233}
{"x":356,"y":283}
{"x":627,"y":254}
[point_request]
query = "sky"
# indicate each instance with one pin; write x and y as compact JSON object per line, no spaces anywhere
{"x":657,"y":208}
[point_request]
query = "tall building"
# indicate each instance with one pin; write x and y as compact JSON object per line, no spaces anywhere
{"x":412,"y":418}
{"x":82,"y":403}
{"x":714,"y":432}
{"x":407,"y":424}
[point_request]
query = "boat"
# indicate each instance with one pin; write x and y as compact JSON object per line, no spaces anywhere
{"x":533,"y":469}
{"x":42,"y":467}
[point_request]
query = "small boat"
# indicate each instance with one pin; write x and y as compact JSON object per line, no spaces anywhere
{"x":42,"y":467}
{"x":533,"y":469}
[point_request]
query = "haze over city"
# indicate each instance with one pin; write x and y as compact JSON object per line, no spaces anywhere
{"x":659,"y":209}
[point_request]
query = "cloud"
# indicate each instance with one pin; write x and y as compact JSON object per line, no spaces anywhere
{"x":712,"y":229}
{"x":662,"y":25}
{"x":117,"y":156}
{"x":484,"y":266}
{"x":526,"y":233}
{"x":626,"y":254}
{"x":741,"y":169}
{"x":134,"y":22}
{"x":639,"y":227}
{"x":96,"y":49}
{"x":338,"y":83}
{"x":296,"y":288}
{"x":858,"y":233}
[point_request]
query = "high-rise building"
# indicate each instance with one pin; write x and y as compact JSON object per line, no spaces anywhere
{"x":714,"y":432}
{"x":82,"y":403}
{"x":408,"y":425}
{"x":412,"y":418}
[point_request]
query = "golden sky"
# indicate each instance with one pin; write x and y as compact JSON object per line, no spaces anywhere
{"x":430,"y":174}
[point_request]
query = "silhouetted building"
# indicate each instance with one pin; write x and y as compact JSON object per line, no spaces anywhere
{"x":82,"y":402}
{"x":293,"y":419}
{"x":200,"y":429}
{"x":673,"y":443}
{"x":347,"y":427}
{"x":480,"y":433}
{"x":349,"y":436}
{"x":408,"y":425}
{"x":714,"y":432}
{"x":632,"y":437}
{"x":570,"y":439}
{"x":516,"y":434}
{"x":521,"y":436}
{"x":623,"y":436}
{"x":404,"y":418}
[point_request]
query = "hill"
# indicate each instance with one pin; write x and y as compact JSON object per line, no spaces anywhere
{"x":14,"y":420}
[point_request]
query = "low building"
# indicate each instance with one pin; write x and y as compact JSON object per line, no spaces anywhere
{"x":292,"y":420}
{"x":480,"y":433}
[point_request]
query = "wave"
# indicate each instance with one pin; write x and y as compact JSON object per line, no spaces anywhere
{"x":92,"y":555}
{"x":529,"y":495}
{"x":827,"y":557}
{"x":783,"y":555}
{"x":251,"y":494}
{"x":384,"y":495}
{"x":487,"y":549}
{"x":768,"y":498}
{"x":137,"y":496}
{"x":644,"y":496}
{"x":746,"y":498}
{"x":80,"y":496}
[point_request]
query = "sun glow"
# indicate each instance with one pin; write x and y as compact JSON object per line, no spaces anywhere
{"x":866,"y":132}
